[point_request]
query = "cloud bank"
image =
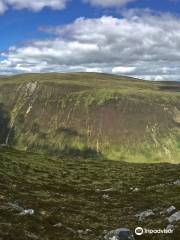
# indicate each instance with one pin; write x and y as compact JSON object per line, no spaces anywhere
{"x":145,"y":46}
{"x":38,"y":5}
{"x":34,"y":5}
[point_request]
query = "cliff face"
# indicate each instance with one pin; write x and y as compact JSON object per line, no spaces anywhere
{"x":91,"y":115}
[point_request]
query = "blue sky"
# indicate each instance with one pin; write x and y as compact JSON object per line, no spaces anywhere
{"x":21,"y":25}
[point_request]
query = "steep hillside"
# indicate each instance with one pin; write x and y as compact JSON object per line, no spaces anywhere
{"x":91,"y":115}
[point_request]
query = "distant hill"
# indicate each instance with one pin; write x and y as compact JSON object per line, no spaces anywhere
{"x":91,"y":115}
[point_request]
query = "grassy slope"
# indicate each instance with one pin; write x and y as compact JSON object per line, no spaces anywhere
{"x":64,"y":191}
{"x":88,"y":115}
{"x":94,"y":114}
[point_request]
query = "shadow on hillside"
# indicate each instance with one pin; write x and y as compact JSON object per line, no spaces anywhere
{"x":4,"y":125}
{"x":67,"y":151}
{"x":85,"y":153}
{"x":170,"y":86}
{"x":68,"y":131}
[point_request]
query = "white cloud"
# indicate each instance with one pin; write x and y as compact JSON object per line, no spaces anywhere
{"x":146,"y":45}
{"x":35,"y":5}
{"x":123,"y":70}
{"x":3,"y":7}
{"x":108,"y":3}
{"x":97,"y":70}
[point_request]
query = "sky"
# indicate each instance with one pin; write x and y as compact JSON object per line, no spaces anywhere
{"x":138,"y":38}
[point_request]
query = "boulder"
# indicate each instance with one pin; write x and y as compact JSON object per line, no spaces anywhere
{"x":58,"y":225}
{"x":31,"y":235}
{"x":105,"y":196}
{"x":27,"y":212}
{"x":174,"y":217}
{"x":143,"y":215}
{"x":136,"y":189}
{"x":15,"y":206}
{"x":170,"y":210}
{"x":119,"y":234}
{"x":104,"y":190}
{"x":84,"y":232}
{"x":177,"y":182}
{"x":170,"y":227}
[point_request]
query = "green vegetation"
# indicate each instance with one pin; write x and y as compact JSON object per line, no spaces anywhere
{"x":77,"y":124}
{"x":71,"y":192}
{"x":97,"y":115}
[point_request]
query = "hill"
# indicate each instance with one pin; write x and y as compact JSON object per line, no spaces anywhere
{"x":91,"y":115}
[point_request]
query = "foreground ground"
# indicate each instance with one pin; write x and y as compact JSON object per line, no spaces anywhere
{"x":62,"y":199}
